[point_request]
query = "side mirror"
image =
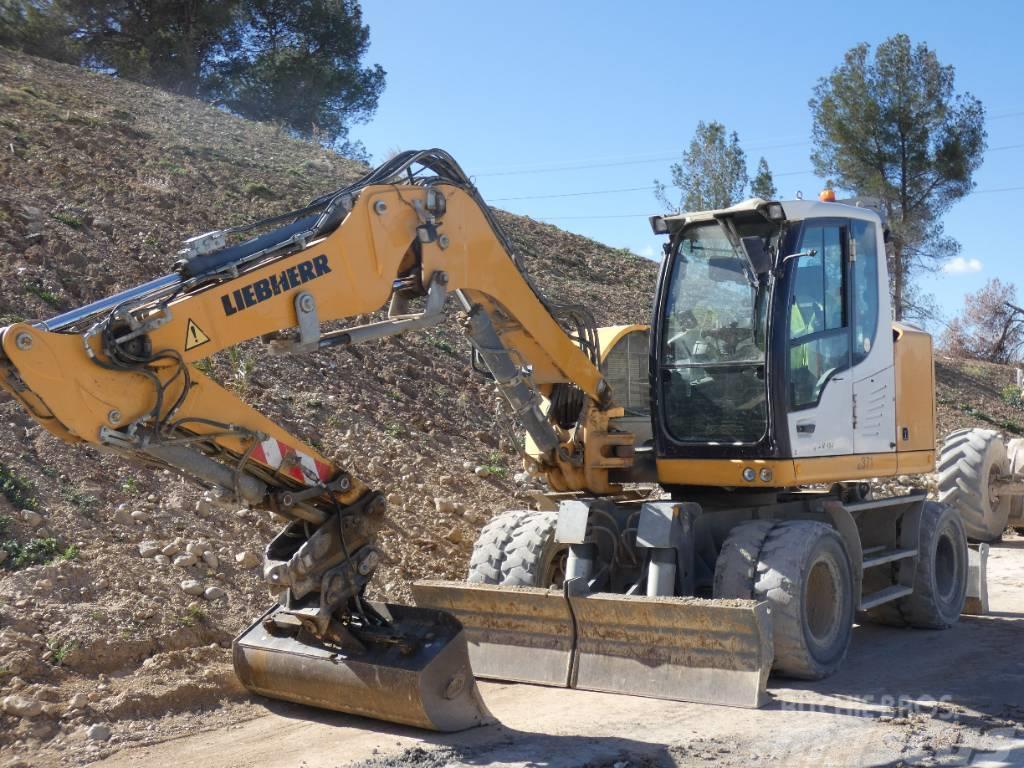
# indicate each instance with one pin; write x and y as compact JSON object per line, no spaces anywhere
{"x":758,"y":258}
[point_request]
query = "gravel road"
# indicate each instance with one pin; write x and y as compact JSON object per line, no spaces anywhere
{"x":904,"y":697}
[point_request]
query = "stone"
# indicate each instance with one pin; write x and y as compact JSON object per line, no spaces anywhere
{"x":468,"y":465}
{"x":395,"y":499}
{"x":78,"y":701}
{"x":33,"y":519}
{"x":211,"y":560}
{"x":482,"y":472}
{"x":44,"y":585}
{"x":445,"y":506}
{"x":521,"y":478}
{"x":102,"y":583}
{"x":214,"y":593}
{"x":103,"y":225}
{"x":140,"y":517}
{"x":149,"y":548}
{"x":185,"y":561}
{"x":123,"y":515}
{"x":454,"y":536}
{"x":192,"y":587}
{"x":170,"y":549}
{"x":99,"y":732}
{"x":163,"y":559}
{"x":22,"y":706}
{"x":246,"y":560}
{"x":446,"y":480}
{"x":195,"y":548}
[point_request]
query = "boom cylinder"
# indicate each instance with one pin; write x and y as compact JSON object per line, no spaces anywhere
{"x":524,"y":399}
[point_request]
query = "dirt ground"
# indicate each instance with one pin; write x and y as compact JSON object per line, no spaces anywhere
{"x":904,"y":697}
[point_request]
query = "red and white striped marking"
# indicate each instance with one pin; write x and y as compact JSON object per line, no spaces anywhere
{"x":307,"y":470}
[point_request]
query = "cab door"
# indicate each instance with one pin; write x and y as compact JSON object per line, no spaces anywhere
{"x":819,"y":384}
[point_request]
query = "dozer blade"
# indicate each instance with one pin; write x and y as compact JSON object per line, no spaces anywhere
{"x":432,"y":687}
{"x":680,"y":648}
{"x":514,"y":633}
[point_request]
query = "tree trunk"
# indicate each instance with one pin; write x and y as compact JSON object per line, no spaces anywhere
{"x":897,"y":282}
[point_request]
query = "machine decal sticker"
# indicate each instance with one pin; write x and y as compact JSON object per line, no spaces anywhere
{"x":261,"y":290}
{"x":194,"y":336}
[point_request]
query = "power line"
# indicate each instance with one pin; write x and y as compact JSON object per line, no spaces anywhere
{"x":611,"y":163}
{"x":649,"y":214}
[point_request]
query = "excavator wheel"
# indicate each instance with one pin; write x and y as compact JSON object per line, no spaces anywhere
{"x":518,"y":549}
{"x":940,"y":575}
{"x":1015,"y":454}
{"x":802,"y":569}
{"x":971,"y":461}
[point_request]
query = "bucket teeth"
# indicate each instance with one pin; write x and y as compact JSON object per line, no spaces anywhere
{"x":681,"y":648}
{"x":431,"y":687}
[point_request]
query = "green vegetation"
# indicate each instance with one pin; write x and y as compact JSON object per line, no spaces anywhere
{"x":131,"y":485}
{"x":444,"y":346}
{"x":68,"y":218}
{"x":394,"y":430}
{"x":257,"y":189}
{"x":1011,"y":395}
{"x":46,"y":295}
{"x":496,"y":464}
{"x":17,"y":489}
{"x":35,"y":552}
{"x":59,"y":649}
{"x":192,"y":616}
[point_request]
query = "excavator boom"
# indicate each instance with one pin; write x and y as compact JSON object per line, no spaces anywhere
{"x":413,"y":236}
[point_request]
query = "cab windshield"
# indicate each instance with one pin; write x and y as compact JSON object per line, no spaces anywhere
{"x":713,"y":342}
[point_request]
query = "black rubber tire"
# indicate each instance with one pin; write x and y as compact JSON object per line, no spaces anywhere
{"x":1015,"y":458}
{"x":969,"y":460}
{"x":532,"y":554}
{"x":804,"y":572}
{"x":736,"y":567}
{"x":940,"y":576}
{"x":491,"y":546}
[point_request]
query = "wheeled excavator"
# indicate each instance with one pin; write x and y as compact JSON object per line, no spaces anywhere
{"x":769,"y":389}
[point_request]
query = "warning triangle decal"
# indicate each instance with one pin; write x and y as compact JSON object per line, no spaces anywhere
{"x":194,"y":336}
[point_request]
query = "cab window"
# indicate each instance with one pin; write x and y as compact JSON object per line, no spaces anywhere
{"x":819,"y":334}
{"x":864,"y":268}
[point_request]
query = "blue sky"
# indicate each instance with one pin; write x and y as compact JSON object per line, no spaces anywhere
{"x":537,"y":99}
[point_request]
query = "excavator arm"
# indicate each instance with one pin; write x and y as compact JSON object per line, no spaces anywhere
{"x":413,"y":235}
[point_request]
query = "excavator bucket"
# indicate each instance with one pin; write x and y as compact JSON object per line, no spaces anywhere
{"x":431,"y":687}
{"x":681,"y":648}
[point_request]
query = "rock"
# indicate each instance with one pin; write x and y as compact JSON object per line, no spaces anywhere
{"x":185,"y":561}
{"x":482,"y":472}
{"x":192,"y":587}
{"x":445,"y":506}
{"x":123,"y":515}
{"x":78,"y":701}
{"x":103,"y":225}
{"x":22,"y":706}
{"x":44,"y":585}
{"x":171,"y":549}
{"x":149,"y":548}
{"x":446,"y":480}
{"x":140,"y":517}
{"x":395,"y":499}
{"x":32,"y":519}
{"x":454,"y":536}
{"x":99,"y":732}
{"x":521,"y":478}
{"x":163,"y":559}
{"x":468,"y":465}
{"x":214,"y":593}
{"x":246,"y":560}
{"x":101,"y":583}
{"x":211,"y":560}
{"x":195,"y":548}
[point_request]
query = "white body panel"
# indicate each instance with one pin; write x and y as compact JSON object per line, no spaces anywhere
{"x":857,"y":409}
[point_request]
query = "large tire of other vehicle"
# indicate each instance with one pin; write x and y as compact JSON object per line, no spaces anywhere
{"x":970,"y":462}
{"x":802,"y":568}
{"x":940,"y":575}
{"x":1015,"y":457}
{"x":491,"y":545}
